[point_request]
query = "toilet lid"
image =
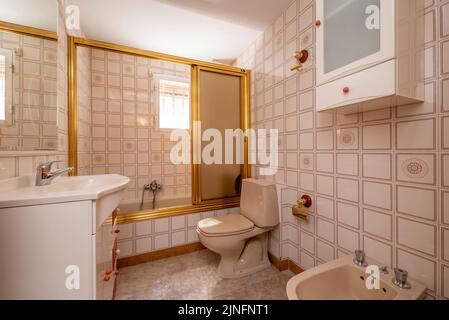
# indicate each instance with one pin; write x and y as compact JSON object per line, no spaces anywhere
{"x":225,"y":225}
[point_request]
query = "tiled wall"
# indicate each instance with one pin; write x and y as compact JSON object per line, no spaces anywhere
{"x":153,"y":235}
{"x":379,"y":180}
{"x":125,"y":136}
{"x":35,"y":75}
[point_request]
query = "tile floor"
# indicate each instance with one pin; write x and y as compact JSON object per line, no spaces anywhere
{"x":194,"y":276}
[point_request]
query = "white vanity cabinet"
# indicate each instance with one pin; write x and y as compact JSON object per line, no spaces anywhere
{"x":46,"y":249}
{"x":59,"y":241}
{"x":369,"y":54}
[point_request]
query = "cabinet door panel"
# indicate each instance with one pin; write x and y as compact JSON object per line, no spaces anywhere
{"x":353,"y":35}
{"x":347,"y":35}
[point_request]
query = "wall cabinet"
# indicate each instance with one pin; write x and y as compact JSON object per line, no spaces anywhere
{"x":369,"y":54}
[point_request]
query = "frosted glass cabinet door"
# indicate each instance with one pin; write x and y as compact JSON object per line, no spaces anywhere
{"x":353,"y":35}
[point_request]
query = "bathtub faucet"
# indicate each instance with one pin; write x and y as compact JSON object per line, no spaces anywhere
{"x":153,"y":186}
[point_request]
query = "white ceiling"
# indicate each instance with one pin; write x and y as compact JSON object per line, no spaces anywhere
{"x":254,"y":14}
{"x":33,"y":13}
{"x":200,"y":29}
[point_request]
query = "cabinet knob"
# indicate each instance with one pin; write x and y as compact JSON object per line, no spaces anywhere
{"x":116,"y":231}
{"x":346,"y":90}
{"x":318,"y":23}
{"x":117,"y":252}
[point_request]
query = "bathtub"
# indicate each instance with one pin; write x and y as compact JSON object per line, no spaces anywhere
{"x":134,"y":206}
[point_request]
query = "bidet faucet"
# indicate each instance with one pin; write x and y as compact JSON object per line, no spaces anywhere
{"x":45,"y":177}
{"x":400,"y":278}
{"x":359,"y":259}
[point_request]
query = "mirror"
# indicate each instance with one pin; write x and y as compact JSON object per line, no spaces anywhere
{"x":28,"y":92}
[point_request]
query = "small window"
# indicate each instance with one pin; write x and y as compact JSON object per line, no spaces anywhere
{"x":6,"y":70}
{"x":174,"y":104}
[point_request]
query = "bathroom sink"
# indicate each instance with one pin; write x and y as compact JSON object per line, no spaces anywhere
{"x":21,"y":191}
{"x":70,"y":185}
{"x":342,"y":280}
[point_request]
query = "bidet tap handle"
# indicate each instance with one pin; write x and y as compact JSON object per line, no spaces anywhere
{"x":384,"y":269}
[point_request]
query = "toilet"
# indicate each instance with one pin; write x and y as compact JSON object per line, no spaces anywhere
{"x":242,"y":239}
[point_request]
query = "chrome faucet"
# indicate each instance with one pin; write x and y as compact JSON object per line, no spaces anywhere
{"x":153,"y":186}
{"x":45,"y":177}
{"x":359,"y":259}
{"x":400,"y":278}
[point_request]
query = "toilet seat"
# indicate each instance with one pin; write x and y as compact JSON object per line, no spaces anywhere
{"x":228,"y":225}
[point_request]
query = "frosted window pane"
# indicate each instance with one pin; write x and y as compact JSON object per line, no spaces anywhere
{"x":350,"y":33}
{"x":174,"y":105}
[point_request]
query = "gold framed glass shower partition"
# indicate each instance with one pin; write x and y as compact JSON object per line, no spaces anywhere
{"x":244,"y":118}
{"x":198,"y":205}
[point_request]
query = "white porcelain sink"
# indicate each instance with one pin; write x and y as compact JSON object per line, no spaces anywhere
{"x":106,"y":190}
{"x":342,"y":280}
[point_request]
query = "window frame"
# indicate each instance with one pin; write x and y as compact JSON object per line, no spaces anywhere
{"x":9,"y":86}
{"x":157,"y":115}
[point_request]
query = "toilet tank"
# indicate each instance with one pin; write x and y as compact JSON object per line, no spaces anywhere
{"x":259,"y":202}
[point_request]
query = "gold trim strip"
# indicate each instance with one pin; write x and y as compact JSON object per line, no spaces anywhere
{"x":29,"y":31}
{"x":177,"y":211}
{"x":283,"y":265}
{"x":154,"y":55}
{"x":73,"y":104}
{"x":195,"y":116}
{"x":246,"y":120}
